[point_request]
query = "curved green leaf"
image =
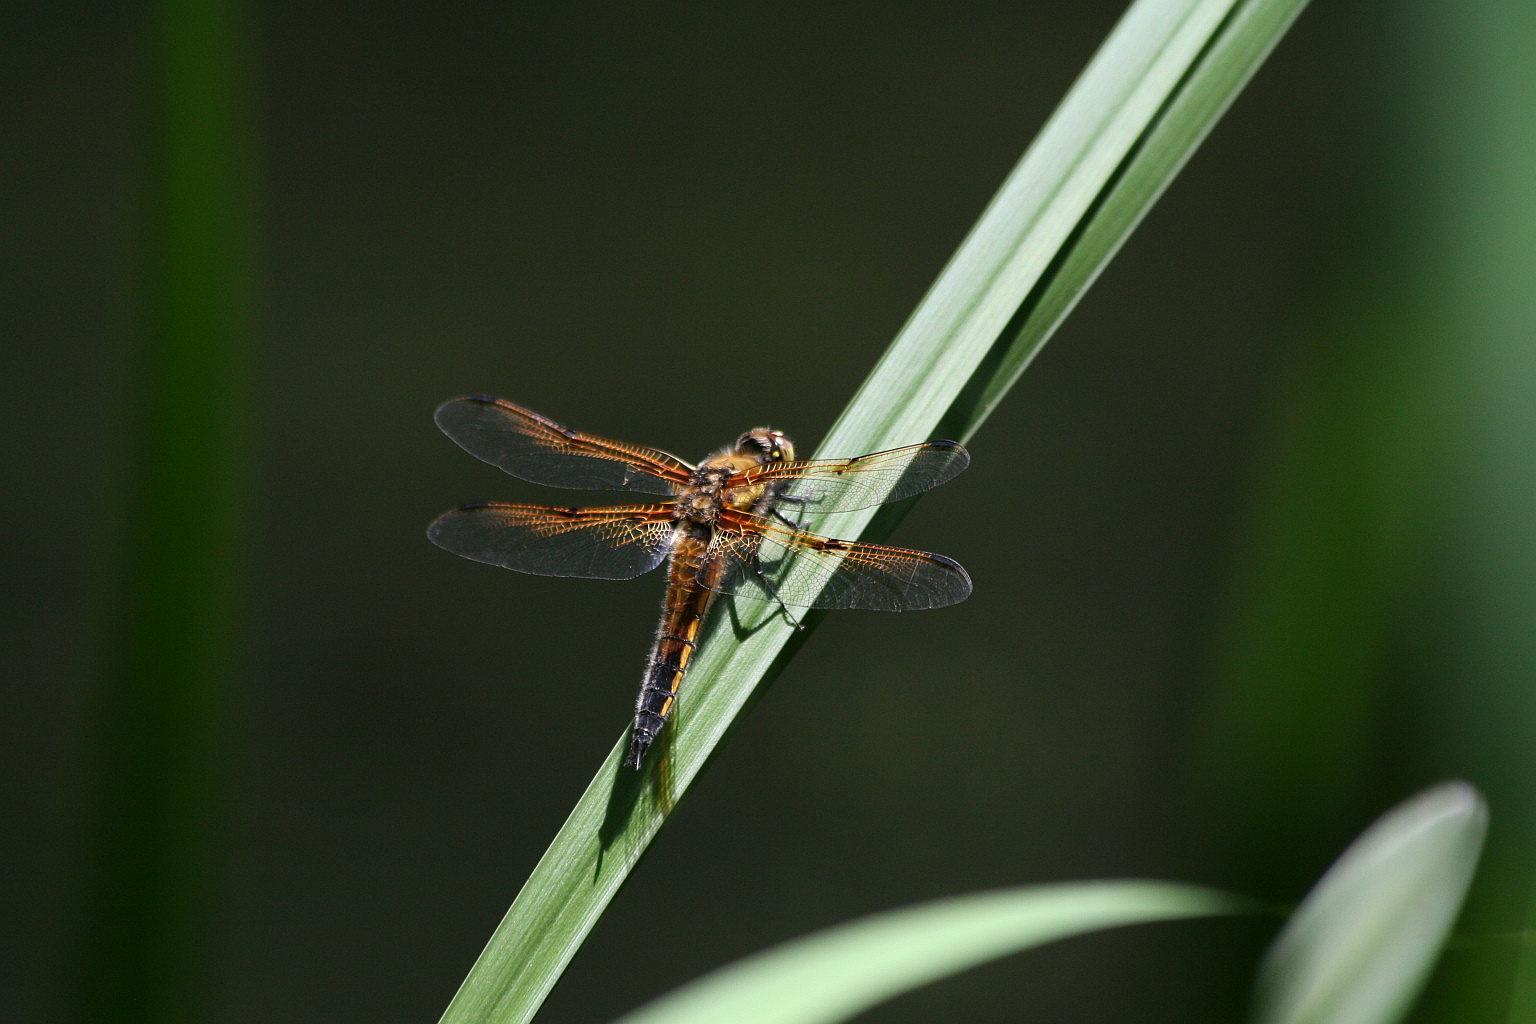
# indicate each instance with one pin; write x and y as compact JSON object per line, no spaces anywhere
{"x":832,"y":975}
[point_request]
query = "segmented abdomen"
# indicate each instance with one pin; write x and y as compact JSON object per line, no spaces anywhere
{"x":682,"y":615}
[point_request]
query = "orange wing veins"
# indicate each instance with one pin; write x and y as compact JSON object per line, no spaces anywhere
{"x":537,"y":449}
{"x":845,"y":485}
{"x":765,"y":561}
{"x":616,"y":543}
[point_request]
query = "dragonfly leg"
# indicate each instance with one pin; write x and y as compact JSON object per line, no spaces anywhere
{"x":796,"y":501}
{"x":793,"y":524}
{"x":768,"y":585}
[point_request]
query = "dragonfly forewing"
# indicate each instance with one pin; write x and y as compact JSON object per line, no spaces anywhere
{"x":535,"y":448}
{"x":846,"y":485}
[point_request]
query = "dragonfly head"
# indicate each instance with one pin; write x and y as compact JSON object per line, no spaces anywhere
{"x":766,"y":445}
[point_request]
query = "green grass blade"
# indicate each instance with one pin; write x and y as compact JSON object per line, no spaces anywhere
{"x":1146,"y":99}
{"x":832,"y":975}
{"x":1358,"y":949}
{"x":1233,"y":54}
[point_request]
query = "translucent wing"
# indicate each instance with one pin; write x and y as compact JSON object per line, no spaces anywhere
{"x":531,"y":447}
{"x":842,"y":485}
{"x":756,"y":558}
{"x":594,"y":543}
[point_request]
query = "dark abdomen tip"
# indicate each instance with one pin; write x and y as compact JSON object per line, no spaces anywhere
{"x":638,"y":745}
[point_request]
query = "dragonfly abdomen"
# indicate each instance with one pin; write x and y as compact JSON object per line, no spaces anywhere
{"x":682,"y":615}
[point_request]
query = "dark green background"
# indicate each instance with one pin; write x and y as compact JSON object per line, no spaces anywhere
{"x":669,"y":224}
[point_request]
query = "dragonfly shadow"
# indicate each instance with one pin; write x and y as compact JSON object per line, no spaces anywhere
{"x":740,"y":629}
{"x":628,"y":792}
{"x":623,"y":798}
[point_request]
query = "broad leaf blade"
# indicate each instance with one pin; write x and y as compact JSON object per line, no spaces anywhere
{"x":1358,"y":949}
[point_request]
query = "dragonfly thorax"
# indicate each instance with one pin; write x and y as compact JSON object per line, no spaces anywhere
{"x":698,"y":506}
{"x":711,"y":489}
{"x":702,"y":500}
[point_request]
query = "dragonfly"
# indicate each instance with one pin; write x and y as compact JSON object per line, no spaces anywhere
{"x":721,"y":526}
